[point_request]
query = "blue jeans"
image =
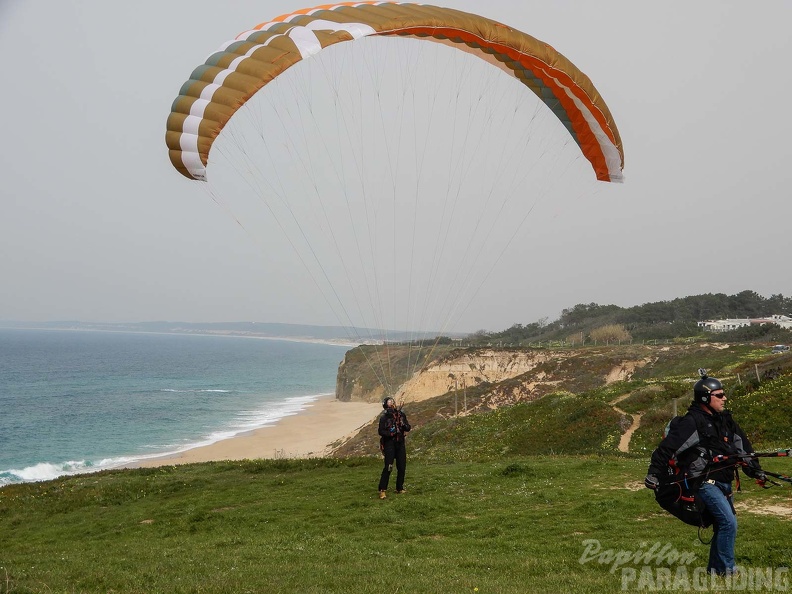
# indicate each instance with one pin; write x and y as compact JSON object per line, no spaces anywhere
{"x":717,"y":499}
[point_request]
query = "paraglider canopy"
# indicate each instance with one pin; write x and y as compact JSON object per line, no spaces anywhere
{"x":400,"y":149}
{"x":234,"y":73}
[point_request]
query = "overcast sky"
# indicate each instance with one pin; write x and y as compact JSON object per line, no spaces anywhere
{"x":96,"y":225}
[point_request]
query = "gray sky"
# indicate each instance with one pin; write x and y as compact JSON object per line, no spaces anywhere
{"x":95,"y":224}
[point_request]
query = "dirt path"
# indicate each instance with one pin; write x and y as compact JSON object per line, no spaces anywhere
{"x":624,"y":442}
{"x":781,"y":510}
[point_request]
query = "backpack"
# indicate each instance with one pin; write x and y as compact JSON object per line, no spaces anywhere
{"x":677,"y":491}
{"x":682,"y":503}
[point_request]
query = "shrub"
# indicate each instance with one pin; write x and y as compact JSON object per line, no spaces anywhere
{"x":610,"y":333}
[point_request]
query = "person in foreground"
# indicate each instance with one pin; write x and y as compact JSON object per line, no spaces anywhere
{"x":393,"y":426}
{"x":692,"y":446}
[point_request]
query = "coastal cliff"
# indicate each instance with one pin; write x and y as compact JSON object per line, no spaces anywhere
{"x":456,"y":383}
{"x":460,"y":382}
{"x":471,"y":369}
{"x":534,"y":372}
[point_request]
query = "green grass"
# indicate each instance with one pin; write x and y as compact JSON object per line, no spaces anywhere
{"x":511,"y":525}
{"x":540,"y":427}
{"x":766,"y":412}
{"x":499,"y":501}
{"x":682,"y":361}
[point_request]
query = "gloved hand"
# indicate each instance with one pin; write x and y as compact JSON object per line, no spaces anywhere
{"x":651,"y":481}
{"x":761,"y":478}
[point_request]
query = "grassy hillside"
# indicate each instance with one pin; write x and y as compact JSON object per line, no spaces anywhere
{"x":580,"y":396}
{"x":500,"y":501}
{"x":511,"y":525}
{"x":536,"y":428}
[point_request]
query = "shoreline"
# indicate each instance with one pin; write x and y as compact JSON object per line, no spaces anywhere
{"x":339,"y":342}
{"x":308,"y":433}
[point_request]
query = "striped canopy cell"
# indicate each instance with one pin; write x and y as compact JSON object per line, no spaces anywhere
{"x":242,"y":66}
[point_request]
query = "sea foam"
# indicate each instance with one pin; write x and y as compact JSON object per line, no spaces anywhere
{"x":80,"y":402}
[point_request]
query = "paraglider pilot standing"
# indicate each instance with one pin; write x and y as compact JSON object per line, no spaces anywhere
{"x":393,"y":426}
{"x":686,"y":461}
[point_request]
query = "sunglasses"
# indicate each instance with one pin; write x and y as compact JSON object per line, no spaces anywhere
{"x":721,"y":396}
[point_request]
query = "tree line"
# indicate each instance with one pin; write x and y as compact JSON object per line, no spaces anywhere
{"x":589,"y":322}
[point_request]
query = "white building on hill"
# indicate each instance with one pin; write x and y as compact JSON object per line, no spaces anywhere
{"x":733,"y":324}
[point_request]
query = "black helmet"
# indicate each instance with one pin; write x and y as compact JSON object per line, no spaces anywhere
{"x":385,"y":402}
{"x":705,"y":386}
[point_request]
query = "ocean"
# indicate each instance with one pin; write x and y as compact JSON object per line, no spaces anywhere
{"x":81,"y":401}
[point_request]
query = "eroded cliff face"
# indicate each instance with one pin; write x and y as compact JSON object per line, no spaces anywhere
{"x":349,"y":388}
{"x":465,"y":370}
{"x":489,"y":366}
{"x":534,"y":372}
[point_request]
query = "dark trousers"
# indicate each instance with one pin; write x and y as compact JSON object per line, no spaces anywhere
{"x":394,"y":451}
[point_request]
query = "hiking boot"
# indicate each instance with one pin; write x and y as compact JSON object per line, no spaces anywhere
{"x":400,"y":491}
{"x":382,"y":494}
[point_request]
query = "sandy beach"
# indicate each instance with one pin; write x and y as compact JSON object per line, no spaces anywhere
{"x":307,"y":434}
